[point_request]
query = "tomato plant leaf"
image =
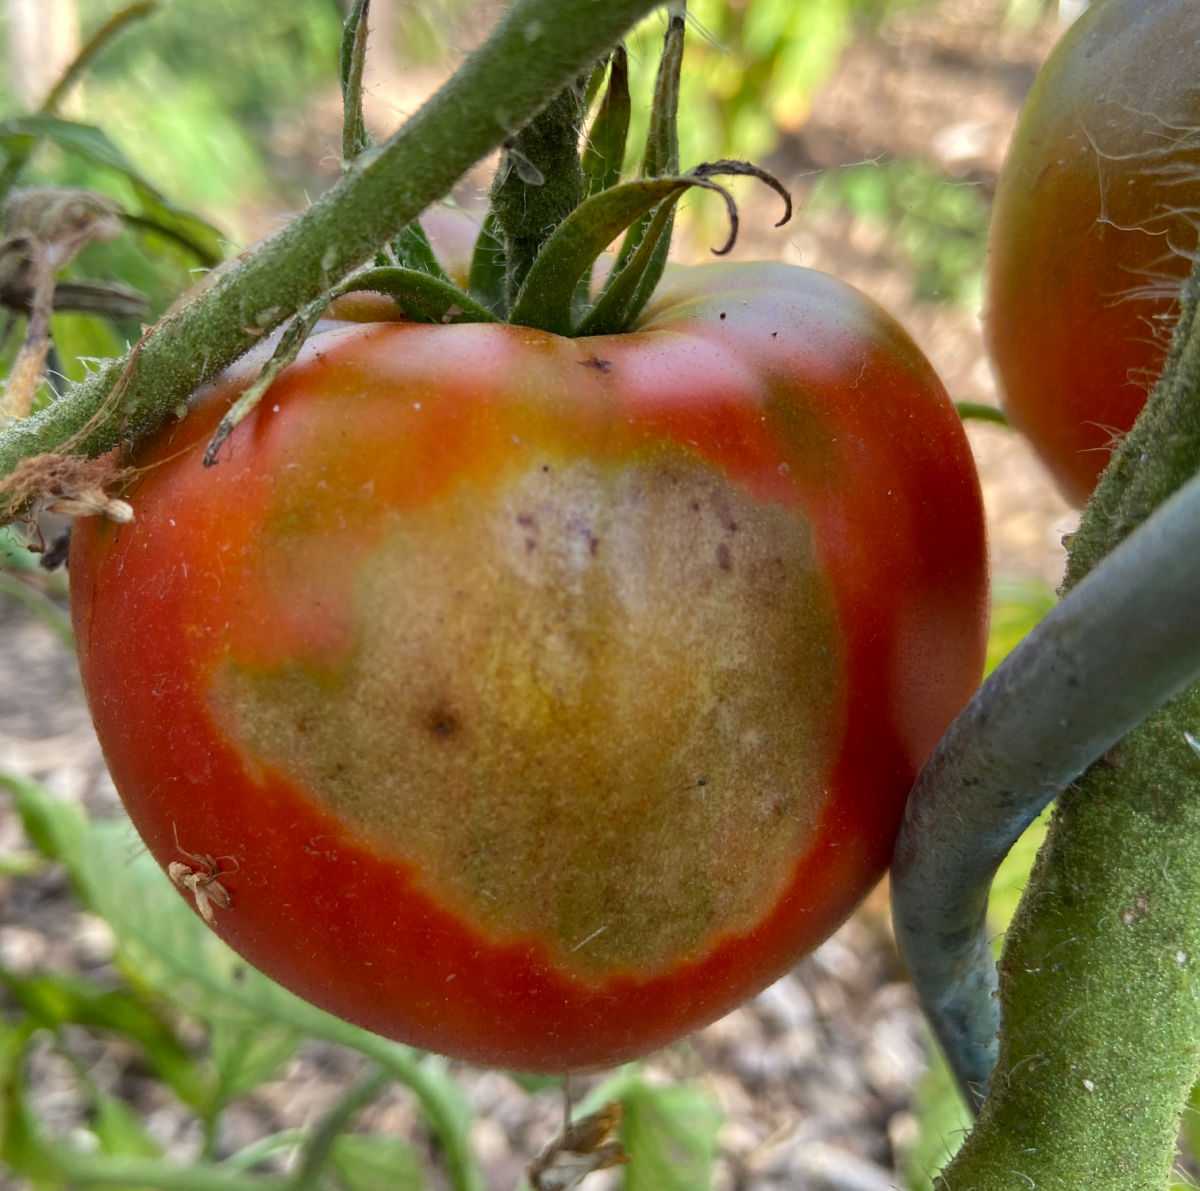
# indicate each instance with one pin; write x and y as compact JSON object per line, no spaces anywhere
{"x":245,"y":1052}
{"x":1017,"y":608}
{"x":118,"y":1128}
{"x":54,"y":827}
{"x":354,"y":55}
{"x":177,"y":955}
{"x":19,"y":134}
{"x":22,"y":1147}
{"x":670,"y":1134}
{"x":366,"y":1163}
{"x":943,"y":1123}
{"x":53,"y":1000}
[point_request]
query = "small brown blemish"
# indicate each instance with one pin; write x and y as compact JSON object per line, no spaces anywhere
{"x":443,"y":723}
{"x":695,"y":506}
{"x":597,"y":363}
{"x":724,"y":557}
{"x":528,"y":520}
{"x":723,"y":315}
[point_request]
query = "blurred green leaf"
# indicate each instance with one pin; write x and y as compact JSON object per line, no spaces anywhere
{"x":119,"y":1129}
{"x":943,"y":1123}
{"x":176,"y":954}
{"x":19,"y":133}
{"x":939,"y":223}
{"x":246,"y":1052}
{"x":752,"y":69}
{"x":14,"y":554}
{"x":53,"y":1000}
{"x":54,"y":827}
{"x":1190,"y":1126}
{"x":1017,"y":607}
{"x":670,"y":1134}
{"x":40,"y":604}
{"x":22,"y":1148}
{"x":365,"y":1163}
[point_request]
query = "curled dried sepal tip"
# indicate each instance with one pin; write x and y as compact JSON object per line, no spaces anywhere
{"x":584,"y":1147}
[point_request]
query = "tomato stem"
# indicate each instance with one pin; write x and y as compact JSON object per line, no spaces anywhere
{"x":1095,"y":988}
{"x":539,"y":182}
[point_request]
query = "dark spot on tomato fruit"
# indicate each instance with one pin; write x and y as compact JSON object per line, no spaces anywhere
{"x":724,"y":557}
{"x":443,"y":723}
{"x":598,"y":364}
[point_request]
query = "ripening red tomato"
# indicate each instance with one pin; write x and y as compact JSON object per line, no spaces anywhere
{"x":1093,"y":231}
{"x":548,"y":696}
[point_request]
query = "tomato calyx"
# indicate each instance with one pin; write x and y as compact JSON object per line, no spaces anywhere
{"x":554,"y":209}
{"x":554,"y":213}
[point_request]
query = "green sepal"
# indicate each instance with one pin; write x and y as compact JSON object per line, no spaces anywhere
{"x":487,"y":280}
{"x":595,"y":81}
{"x":618,"y":305}
{"x":285,"y":353}
{"x":661,"y":156}
{"x":413,"y":251}
{"x":544,"y":299}
{"x":420,"y":297}
{"x":353,"y":58}
{"x":632,"y":282}
{"x":604,"y":148}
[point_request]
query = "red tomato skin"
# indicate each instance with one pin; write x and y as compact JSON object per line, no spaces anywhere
{"x":1090,"y":235}
{"x":788,"y":387}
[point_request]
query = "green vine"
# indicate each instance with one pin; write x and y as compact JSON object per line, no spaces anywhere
{"x":1099,"y":979}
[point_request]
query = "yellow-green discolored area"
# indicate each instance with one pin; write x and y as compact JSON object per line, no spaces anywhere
{"x":594,"y":705}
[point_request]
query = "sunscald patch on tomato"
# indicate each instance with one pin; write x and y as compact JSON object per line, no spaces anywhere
{"x":570,"y":757}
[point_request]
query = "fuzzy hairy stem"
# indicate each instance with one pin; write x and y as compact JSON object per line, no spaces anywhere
{"x":538,"y":47}
{"x":540,"y":181}
{"x":1098,"y":984}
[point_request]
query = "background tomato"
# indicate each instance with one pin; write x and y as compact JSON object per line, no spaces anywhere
{"x":545,"y":698}
{"x":1093,"y":230}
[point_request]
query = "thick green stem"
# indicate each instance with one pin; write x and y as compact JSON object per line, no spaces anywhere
{"x":538,"y":48}
{"x":540,"y":182}
{"x":1099,"y":992}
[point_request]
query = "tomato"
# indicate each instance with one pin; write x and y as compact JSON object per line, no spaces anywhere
{"x":1092,"y":231}
{"x":537,"y":700}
